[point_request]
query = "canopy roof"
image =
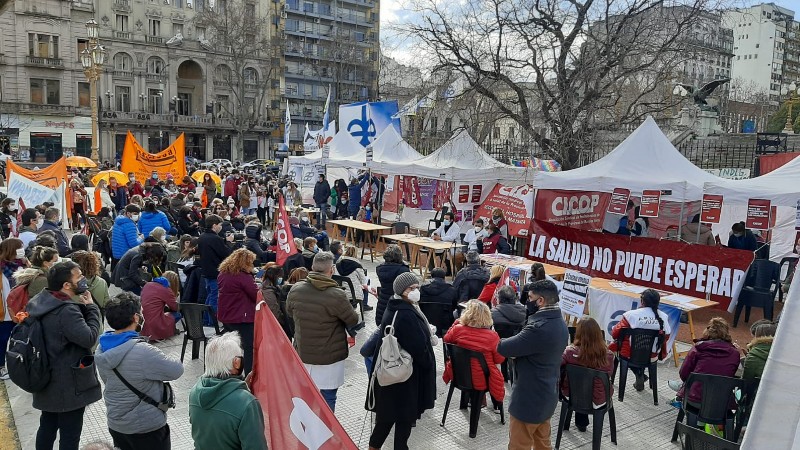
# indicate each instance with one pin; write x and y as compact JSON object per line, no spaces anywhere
{"x":644,"y":160}
{"x":392,"y":153}
{"x":462,"y":159}
{"x":780,"y":186}
{"x":345,"y":151}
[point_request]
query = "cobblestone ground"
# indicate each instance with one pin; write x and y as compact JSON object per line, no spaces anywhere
{"x":640,"y":424}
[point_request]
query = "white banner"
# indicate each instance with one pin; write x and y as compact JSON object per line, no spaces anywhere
{"x":31,"y":192}
{"x":574,"y":292}
{"x":296,"y":174}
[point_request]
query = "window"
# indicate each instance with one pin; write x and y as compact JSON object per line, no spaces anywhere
{"x":511,"y":132}
{"x":250,"y":76}
{"x":199,"y":5}
{"x":155,"y":65}
{"x":434,"y":123}
{"x":42,"y":45}
{"x":184,"y":105}
{"x":324,"y":9}
{"x":179,"y":3}
{"x":45,"y":92}
{"x":83,"y":44}
{"x":359,"y":36}
{"x":201,"y":32}
{"x":308,"y":7}
{"x":291,"y":88}
{"x":496,"y":133}
{"x":222,"y":73}
{"x":177,"y":28}
{"x":122,"y":22}
{"x":84,"y":95}
{"x":154,"y":27}
{"x":293,"y":4}
{"x":223,"y":104}
{"x":123,"y":62}
{"x":250,"y":10}
{"x":448,"y":124}
{"x":122,"y":95}
{"x":155,"y":101}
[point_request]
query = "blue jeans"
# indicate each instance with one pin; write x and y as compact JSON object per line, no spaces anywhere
{"x":212,"y":298}
{"x":322,"y":217}
{"x":177,"y":316}
{"x":330,"y":397}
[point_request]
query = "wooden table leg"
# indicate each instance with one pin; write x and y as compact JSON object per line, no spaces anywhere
{"x":691,"y":324}
{"x":675,"y":352}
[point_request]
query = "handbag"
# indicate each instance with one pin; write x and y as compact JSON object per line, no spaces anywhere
{"x":167,"y":398}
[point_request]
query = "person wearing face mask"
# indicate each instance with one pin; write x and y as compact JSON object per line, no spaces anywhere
{"x":209,"y":187}
{"x":212,"y":250}
{"x":71,"y":325}
{"x":273,"y":295}
{"x":140,"y":265}
{"x":400,"y":405}
{"x":499,"y":220}
{"x":118,"y":193}
{"x":124,"y":354}
{"x":474,"y":234}
{"x":448,"y":231}
{"x":12,"y":257}
{"x":8,"y":217}
{"x":28,"y":228}
{"x":134,"y":186}
{"x":125,"y":233}
{"x":495,"y":242}
{"x":52,"y":222}
{"x":153,"y":180}
{"x":35,"y":277}
{"x":232,"y":183}
{"x":741,"y":238}
{"x":538,"y":349}
{"x":322,"y":316}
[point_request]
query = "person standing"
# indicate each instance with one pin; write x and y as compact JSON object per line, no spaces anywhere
{"x":71,"y":325}
{"x":119,"y":194}
{"x":537,"y":349}
{"x":470,"y":280}
{"x":52,"y":222}
{"x":212,"y":250}
{"x":321,"y":315}
{"x":238,"y":295}
{"x":133,"y":423}
{"x":79,"y":201}
{"x":134,"y":186}
{"x":322,"y":192}
{"x":354,"y":194}
{"x":387,"y":272}
{"x":29,"y":226}
{"x":8,"y":214}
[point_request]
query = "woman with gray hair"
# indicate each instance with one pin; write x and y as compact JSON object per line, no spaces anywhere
{"x":387,"y":273}
{"x":223,"y":413}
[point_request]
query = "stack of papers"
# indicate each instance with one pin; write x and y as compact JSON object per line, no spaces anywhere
{"x":678,"y":298}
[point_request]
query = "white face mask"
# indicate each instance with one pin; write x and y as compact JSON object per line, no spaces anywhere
{"x":414,"y":295}
{"x":39,"y":222}
{"x":20,"y":253}
{"x":135,"y":217}
{"x":478,"y":229}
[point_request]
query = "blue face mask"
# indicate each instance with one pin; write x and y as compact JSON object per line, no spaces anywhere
{"x":447,"y":223}
{"x":279,"y":281}
{"x":316,"y":249}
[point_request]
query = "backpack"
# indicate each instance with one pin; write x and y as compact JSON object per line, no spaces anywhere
{"x":392,"y":364}
{"x":26,"y":359}
{"x":17,"y":300}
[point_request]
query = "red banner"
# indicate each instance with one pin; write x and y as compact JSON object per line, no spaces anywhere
{"x":283,"y":235}
{"x":295,"y":414}
{"x":477,"y":192}
{"x":672,"y":266}
{"x":463,"y":193}
{"x":757,"y":214}
{"x":650,"y":203}
{"x":516,"y":203}
{"x":768,"y":163}
{"x":443,"y":195}
{"x":409,"y":189}
{"x":619,"y":201}
{"x":577,"y":209}
{"x":711,"y":209}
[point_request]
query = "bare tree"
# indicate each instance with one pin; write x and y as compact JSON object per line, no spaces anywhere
{"x":562,"y":69}
{"x":238,"y":43}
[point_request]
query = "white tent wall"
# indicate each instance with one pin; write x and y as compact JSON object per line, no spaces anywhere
{"x":418,"y":218}
{"x":776,"y":414}
{"x":783,"y":234}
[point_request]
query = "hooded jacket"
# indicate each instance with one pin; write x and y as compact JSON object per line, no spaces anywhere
{"x":470,"y":280}
{"x":70,"y":331}
{"x":482,"y":340}
{"x":756,"y":357}
{"x":150,"y":220}
{"x":511,"y":314}
{"x":441,"y":292}
{"x":225,"y":416}
{"x":352,"y":269}
{"x":321,"y":313}
{"x":387,"y":272}
{"x":689,"y":234}
{"x":61,"y":238}
{"x":714,"y":357}
{"x":124,"y":236}
{"x":34,"y":277}
{"x":237,"y":297}
{"x":127,"y":275}
{"x":143,"y":366}
{"x":322,"y":191}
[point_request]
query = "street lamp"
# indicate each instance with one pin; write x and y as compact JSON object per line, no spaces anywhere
{"x":92,"y":59}
{"x":791,"y":92}
{"x":143,"y":101}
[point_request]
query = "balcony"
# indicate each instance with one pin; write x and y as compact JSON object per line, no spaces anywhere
{"x":126,"y":35}
{"x":122,"y":5}
{"x":46,"y":109}
{"x":159,"y":77}
{"x":154,"y":40}
{"x":55,"y":63}
{"x":123,"y":74}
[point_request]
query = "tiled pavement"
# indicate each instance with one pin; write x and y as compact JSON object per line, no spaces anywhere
{"x":640,"y":424}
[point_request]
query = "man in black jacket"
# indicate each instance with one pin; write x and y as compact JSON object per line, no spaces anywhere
{"x":322,"y":192}
{"x":438,"y":300}
{"x":470,"y":280}
{"x":252,"y":242}
{"x":212,"y":250}
{"x":52,"y":222}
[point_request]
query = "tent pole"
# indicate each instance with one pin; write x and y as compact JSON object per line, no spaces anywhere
{"x":680,"y":219}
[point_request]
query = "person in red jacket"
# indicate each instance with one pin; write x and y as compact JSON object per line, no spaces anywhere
{"x":473,"y":331}
{"x":134,"y":186}
{"x":238,"y":295}
{"x":495,"y":242}
{"x":161,"y":292}
{"x":495,"y":273}
{"x":588,"y":349}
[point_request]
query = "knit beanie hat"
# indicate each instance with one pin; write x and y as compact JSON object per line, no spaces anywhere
{"x":403,"y":281}
{"x":162,"y":281}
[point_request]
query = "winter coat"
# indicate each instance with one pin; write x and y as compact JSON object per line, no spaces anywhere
{"x":212,"y":251}
{"x":406,"y":401}
{"x":320,"y":312}
{"x":119,"y":196}
{"x":225,"y":416}
{"x":158,"y":324}
{"x":124,"y":236}
{"x":352,"y":269}
{"x":470,"y":280}
{"x":127,"y":273}
{"x":387,"y":272}
{"x":509,"y":314}
{"x":34,"y":277}
{"x":194,"y":289}
{"x":187,"y":226}
{"x":253,"y":243}
{"x":231,"y":186}
{"x":570,"y":356}
{"x":142,"y":365}
{"x":689,"y":234}
{"x":482,"y":340}
{"x":62,"y":244}
{"x":293,"y":262}
{"x":70,"y":330}
{"x":322,"y":191}
{"x":487,"y":293}
{"x":354,"y":193}
{"x":150,"y":220}
{"x":756,"y":357}
{"x":98,"y":287}
{"x":275,"y":299}
{"x":244,"y":195}
{"x":746,"y":242}
{"x":439,"y":291}
{"x":537,"y":349}
{"x":494,"y":243}
{"x":713,"y":357}
{"x":237,"y":297}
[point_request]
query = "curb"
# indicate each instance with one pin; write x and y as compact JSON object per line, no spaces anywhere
{"x":9,"y":440}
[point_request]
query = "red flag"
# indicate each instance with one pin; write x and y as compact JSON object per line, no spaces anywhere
{"x":283,"y":235}
{"x":295,"y":414}
{"x":20,"y":210}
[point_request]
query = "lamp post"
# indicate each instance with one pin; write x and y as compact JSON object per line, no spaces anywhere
{"x":142,"y":102}
{"x":92,"y":59}
{"x":792,"y":92}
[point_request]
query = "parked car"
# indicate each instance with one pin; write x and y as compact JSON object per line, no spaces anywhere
{"x":256,"y":163}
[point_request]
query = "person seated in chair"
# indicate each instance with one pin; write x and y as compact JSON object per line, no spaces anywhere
{"x":301,"y":229}
{"x":508,"y":312}
{"x":470,"y":280}
{"x":310,"y":249}
{"x":495,"y":242}
{"x":439,"y":291}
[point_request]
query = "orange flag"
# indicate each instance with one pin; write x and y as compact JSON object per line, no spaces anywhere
{"x":204,"y":198}
{"x":51,"y":176}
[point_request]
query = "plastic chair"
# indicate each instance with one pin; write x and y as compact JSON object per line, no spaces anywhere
{"x":581,"y":393}
{"x":787,"y":264}
{"x":437,"y":218}
{"x":342,"y":281}
{"x":744,"y":406}
{"x":642,"y":343}
{"x":763,"y":283}
{"x":507,"y":331}
{"x":402,"y":228}
{"x":696,"y":439}
{"x":717,"y":402}
{"x":461,"y":360}
{"x":193,"y":325}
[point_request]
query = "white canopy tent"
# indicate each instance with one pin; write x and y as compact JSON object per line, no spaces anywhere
{"x":345,"y":152}
{"x":644,"y":160}
{"x":391,"y":154}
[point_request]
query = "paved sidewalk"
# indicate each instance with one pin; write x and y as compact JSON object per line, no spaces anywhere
{"x":640,"y":424}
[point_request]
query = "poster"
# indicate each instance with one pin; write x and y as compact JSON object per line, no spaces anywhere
{"x":295,"y":174}
{"x":409,"y":190}
{"x":711,"y":209}
{"x":427,"y":190}
{"x":650,"y":203}
{"x":573,"y":293}
{"x":365,"y":121}
{"x":577,"y":209}
{"x":516,"y":203}
{"x":758,"y":214}
{"x":797,"y":217}
{"x":31,"y":192}
{"x":619,"y":201}
{"x":143,"y":163}
{"x":463,"y":195}
{"x":477,"y":192}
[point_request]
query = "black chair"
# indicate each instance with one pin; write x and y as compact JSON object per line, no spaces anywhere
{"x":696,"y":439}
{"x":342,"y":281}
{"x":402,"y":228}
{"x":572,"y":331}
{"x":763,"y":283}
{"x":744,"y":406}
{"x":461,"y":360}
{"x":193,"y":325}
{"x":580,"y":381}
{"x":787,"y":264}
{"x":642,"y":343}
{"x":717,"y":405}
{"x":437,"y":218}
{"x":507,"y":331}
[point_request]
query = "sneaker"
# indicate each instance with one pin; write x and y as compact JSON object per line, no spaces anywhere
{"x":676,"y":403}
{"x":675,"y":385}
{"x":3,"y":374}
{"x":367,"y":308}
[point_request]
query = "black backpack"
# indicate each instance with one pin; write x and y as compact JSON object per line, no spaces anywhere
{"x":26,"y":359}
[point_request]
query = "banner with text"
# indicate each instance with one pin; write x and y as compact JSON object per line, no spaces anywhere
{"x":516,"y":203}
{"x":619,"y":201}
{"x":711,"y":209}
{"x":51,"y":176}
{"x":650,"y":203}
{"x":573,"y":293}
{"x":576,"y":209}
{"x":672,"y":266}
{"x":143,"y":163}
{"x":758,"y":212}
